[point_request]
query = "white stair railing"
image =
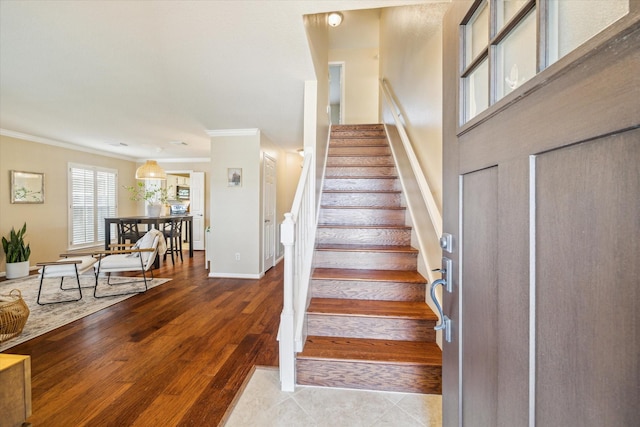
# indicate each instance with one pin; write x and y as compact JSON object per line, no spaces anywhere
{"x":297,"y":236}
{"x":430,"y":202}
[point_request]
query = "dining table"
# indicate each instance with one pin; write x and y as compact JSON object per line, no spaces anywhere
{"x":153,"y":222}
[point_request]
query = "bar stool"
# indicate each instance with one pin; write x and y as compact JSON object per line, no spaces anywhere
{"x":172,"y":231}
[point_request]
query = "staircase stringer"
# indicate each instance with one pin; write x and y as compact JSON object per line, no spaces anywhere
{"x":426,"y":233}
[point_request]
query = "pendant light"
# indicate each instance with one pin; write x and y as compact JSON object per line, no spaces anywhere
{"x":150,"y":170}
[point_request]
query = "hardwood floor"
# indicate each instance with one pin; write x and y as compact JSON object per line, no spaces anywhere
{"x":176,"y":355}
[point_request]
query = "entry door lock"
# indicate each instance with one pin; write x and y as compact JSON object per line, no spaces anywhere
{"x":446,"y":242}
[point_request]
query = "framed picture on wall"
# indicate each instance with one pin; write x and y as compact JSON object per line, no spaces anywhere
{"x":234,"y":176}
{"x":27,"y":187}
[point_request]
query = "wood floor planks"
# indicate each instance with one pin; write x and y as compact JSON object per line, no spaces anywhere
{"x":173,"y":356}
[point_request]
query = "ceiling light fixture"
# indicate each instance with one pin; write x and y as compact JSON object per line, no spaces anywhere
{"x":334,"y":19}
{"x":150,"y":170}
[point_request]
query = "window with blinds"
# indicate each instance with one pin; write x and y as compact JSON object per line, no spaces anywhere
{"x":93,"y":197}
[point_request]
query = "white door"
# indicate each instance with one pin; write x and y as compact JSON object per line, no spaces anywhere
{"x":336,"y":92}
{"x":197,"y":209}
{"x":269,"y":212}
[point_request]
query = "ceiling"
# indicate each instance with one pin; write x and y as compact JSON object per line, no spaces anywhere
{"x":148,"y":79}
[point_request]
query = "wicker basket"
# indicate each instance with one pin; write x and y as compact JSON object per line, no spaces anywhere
{"x":13,"y":315}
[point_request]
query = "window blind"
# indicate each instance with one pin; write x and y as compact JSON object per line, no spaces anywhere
{"x":93,"y":197}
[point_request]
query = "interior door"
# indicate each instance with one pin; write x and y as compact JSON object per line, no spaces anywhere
{"x":542,"y":197}
{"x":336,"y":92}
{"x":269,"y":212}
{"x":196,"y":183}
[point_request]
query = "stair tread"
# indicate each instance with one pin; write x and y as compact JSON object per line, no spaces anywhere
{"x":371,"y":142}
{"x":360,"y":247}
{"x":361,"y":177}
{"x":405,"y":276}
{"x":371,"y":308}
{"x":367,"y":227}
{"x":357,"y":155}
{"x":363,"y":191}
{"x":359,"y":166}
{"x":372,"y":350}
{"x":396,"y":208}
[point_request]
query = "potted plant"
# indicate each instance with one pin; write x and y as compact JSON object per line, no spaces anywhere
{"x":154,"y":196}
{"x":17,"y":253}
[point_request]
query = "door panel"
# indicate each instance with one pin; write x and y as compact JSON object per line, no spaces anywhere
{"x":480,"y":288}
{"x":196,"y":182}
{"x":269,"y":212}
{"x":542,"y":196}
{"x":587,"y":293}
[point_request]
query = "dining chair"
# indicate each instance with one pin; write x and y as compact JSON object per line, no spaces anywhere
{"x":128,"y":230}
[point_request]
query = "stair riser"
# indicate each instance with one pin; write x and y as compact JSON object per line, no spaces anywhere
{"x":362,"y":184}
{"x":365,"y":260}
{"x":359,"y":161}
{"x":361,"y":171}
{"x":370,"y":376}
{"x":359,"y":151}
{"x":356,"y":289}
{"x":331,"y":216}
{"x":363,"y":133}
{"x":352,"y":142}
{"x":371,"y":327}
{"x":361,"y":199}
{"x":374,"y":236}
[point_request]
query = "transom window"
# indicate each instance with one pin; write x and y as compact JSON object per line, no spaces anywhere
{"x":92,"y":198}
{"x":507,"y":42}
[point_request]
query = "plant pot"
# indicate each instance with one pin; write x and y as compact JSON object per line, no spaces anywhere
{"x":154,"y":210}
{"x":16,"y":270}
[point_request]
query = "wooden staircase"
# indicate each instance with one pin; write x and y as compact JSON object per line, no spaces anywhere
{"x":368,"y":324}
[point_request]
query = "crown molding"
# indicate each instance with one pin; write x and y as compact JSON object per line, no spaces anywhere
{"x":61,"y":144}
{"x":233,"y":132}
{"x":176,"y":160}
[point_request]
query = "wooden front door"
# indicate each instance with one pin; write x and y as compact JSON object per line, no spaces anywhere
{"x":542,"y":197}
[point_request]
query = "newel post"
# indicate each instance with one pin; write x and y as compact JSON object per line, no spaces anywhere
{"x":286,"y":339}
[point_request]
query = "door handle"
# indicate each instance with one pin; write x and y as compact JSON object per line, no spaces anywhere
{"x":446,"y":271}
{"x":446,"y":322}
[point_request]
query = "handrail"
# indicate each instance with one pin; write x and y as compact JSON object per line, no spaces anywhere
{"x":296,"y":234}
{"x":432,"y":207}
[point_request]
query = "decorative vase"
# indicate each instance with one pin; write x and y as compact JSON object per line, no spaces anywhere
{"x":154,"y":210}
{"x":16,"y":270}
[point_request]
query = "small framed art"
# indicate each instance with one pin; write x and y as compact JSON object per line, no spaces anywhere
{"x":27,"y":187}
{"x":234,"y":176}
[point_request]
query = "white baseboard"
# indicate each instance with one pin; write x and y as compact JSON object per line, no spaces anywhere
{"x":235,"y":276}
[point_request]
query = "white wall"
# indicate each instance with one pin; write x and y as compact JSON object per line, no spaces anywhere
{"x":317,"y":127}
{"x":360,"y":82}
{"x":411,"y":60}
{"x":235,"y":211}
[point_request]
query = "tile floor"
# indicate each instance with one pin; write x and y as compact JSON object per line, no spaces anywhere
{"x":262,"y":404}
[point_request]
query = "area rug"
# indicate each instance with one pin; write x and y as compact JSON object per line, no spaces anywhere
{"x":45,"y":318}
